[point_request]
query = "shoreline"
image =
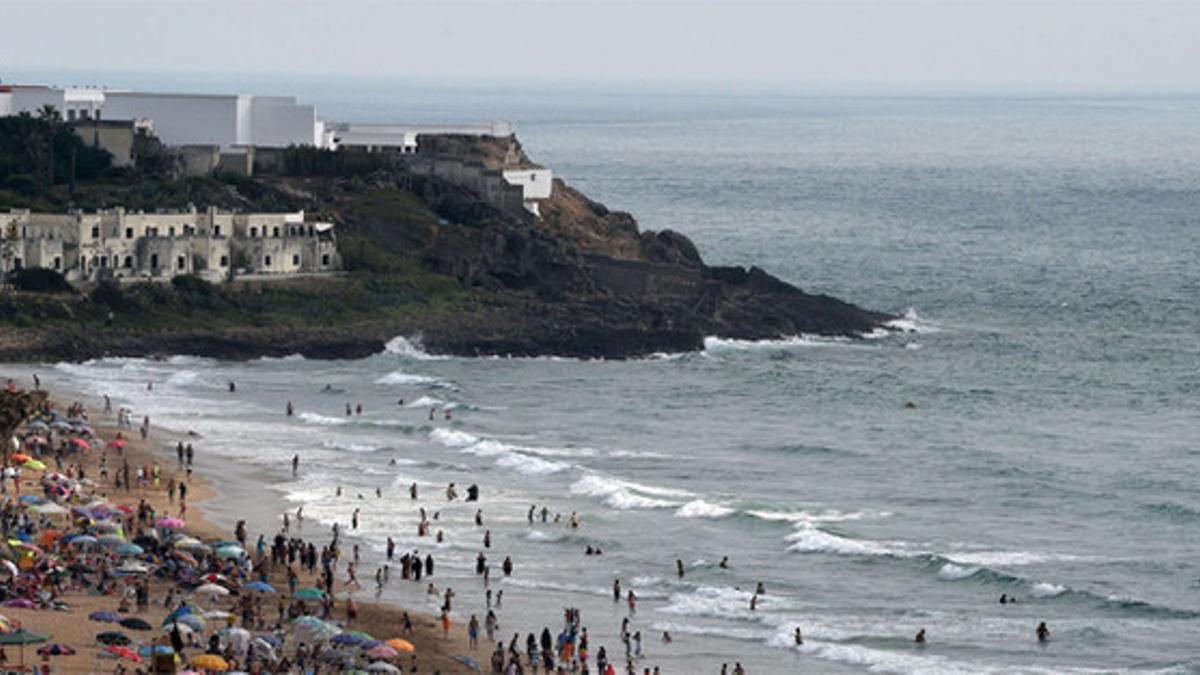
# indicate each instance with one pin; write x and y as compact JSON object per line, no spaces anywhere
{"x":204,"y":509}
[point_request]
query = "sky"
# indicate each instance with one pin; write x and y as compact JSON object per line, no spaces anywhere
{"x":898,"y":44}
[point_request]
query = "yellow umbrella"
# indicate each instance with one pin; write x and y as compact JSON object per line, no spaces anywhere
{"x":401,"y":645}
{"x":210,"y":662}
{"x":37,"y":465}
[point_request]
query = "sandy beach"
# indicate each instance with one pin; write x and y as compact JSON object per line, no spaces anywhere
{"x":433,"y":653}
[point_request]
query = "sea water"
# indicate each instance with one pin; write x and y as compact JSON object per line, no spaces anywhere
{"x":1041,"y":255}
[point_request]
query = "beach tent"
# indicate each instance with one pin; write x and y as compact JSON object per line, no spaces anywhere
{"x":21,"y":637}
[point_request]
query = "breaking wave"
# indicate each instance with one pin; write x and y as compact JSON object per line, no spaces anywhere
{"x":698,"y":508}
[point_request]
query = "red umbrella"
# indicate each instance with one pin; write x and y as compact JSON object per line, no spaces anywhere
{"x":81,"y":443}
{"x":118,"y":443}
{"x":123,"y":653}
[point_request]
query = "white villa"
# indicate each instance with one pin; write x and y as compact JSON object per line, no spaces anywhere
{"x":233,"y":126}
{"x":211,"y":244}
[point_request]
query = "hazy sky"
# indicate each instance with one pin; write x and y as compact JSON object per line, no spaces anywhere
{"x":1082,"y":44}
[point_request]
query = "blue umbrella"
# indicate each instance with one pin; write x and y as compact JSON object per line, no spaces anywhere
{"x":348,"y":639}
{"x":469,"y":662}
{"x":260,"y":586}
{"x":271,"y":639}
{"x":145,"y":651}
{"x":37,"y":424}
{"x":129,"y":549}
{"x":106,"y":617}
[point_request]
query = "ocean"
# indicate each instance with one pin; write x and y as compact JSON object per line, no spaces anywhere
{"x":1041,"y":253}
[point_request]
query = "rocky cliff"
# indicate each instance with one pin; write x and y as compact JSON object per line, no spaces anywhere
{"x":581,"y":280}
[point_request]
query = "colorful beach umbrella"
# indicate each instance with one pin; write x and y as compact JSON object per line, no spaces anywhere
{"x":401,"y":645}
{"x":309,"y":593}
{"x":105,"y":617}
{"x":36,"y":465}
{"x":116,"y":443}
{"x":19,"y":457}
{"x":382,"y":667}
{"x":382,"y":652}
{"x":128,"y":550}
{"x":260,"y":586}
{"x":121,"y":652}
{"x":81,"y":444}
{"x":211,"y":589}
{"x":170,"y":523}
{"x":209,"y":662}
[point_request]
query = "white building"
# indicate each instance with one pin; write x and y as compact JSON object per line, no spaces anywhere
{"x":121,"y":245}
{"x":536,"y":184}
{"x":224,"y":120}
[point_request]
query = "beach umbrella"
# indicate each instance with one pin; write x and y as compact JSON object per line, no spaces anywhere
{"x":401,"y":645}
{"x":21,"y":637}
{"x":170,"y":523}
{"x":105,"y":617}
{"x":56,"y":649}
{"x":134,"y":623}
{"x":231,"y":552}
{"x":209,"y":662}
{"x":34,"y":464}
{"x":49,"y":537}
{"x":238,"y":638}
{"x":222,"y":543}
{"x":11,"y":567}
{"x":81,"y":444}
{"x":211,"y":589}
{"x":37,"y":424}
{"x":310,"y":621}
{"x":309,"y":593}
{"x":20,"y":603}
{"x":184,"y":629}
{"x":116,"y":443}
{"x":186,"y":557}
{"x":82,"y":540}
{"x":146,"y":651}
{"x":113,"y":637}
{"x":271,"y":639}
{"x":50,"y":509}
{"x":347,"y":640}
{"x":110,"y":539}
{"x":365,"y":637}
{"x":19,"y":458}
{"x":187,"y":542}
{"x":260,"y":586}
{"x":191,"y":621}
{"x":382,"y":652}
{"x":121,"y":652}
{"x":382,"y":667}
{"x":469,"y":662}
{"x":128,"y":550}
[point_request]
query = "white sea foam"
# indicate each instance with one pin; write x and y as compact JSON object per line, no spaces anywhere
{"x":952,"y":572}
{"x":717,"y":345}
{"x":425,"y":402}
{"x":1010,"y":558}
{"x":317,"y":418}
{"x":401,"y":377}
{"x":711,"y":601}
{"x":698,"y":508}
{"x":183,"y":378}
{"x":621,"y":494}
{"x":530,"y":465}
{"x":1044,"y":589}
{"x":826,"y":516}
{"x":807,"y":538}
{"x":350,"y":447}
{"x":544,"y":537}
{"x":911,"y":322}
{"x":452,"y":438}
{"x":410,"y":348}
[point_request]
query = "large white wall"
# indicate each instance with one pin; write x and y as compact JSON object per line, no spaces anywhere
{"x":535,"y":183}
{"x":180,"y":119}
{"x":279,"y":122}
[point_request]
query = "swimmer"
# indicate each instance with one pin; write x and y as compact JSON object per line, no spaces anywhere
{"x":679,"y":567}
{"x":1043,"y":633}
{"x":295,"y":463}
{"x":232,"y":386}
{"x":799,"y":637}
{"x":910,"y":406}
{"x":724,"y":563}
{"x":920,"y":639}
{"x":291,"y":410}
{"x":666,"y":637}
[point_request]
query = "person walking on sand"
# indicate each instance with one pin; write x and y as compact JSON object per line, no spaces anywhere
{"x":445,"y":625}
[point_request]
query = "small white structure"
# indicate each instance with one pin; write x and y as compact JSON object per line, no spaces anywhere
{"x":536,"y":184}
{"x":122,"y":245}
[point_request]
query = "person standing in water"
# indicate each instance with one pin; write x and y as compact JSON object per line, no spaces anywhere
{"x":295,"y":464}
{"x":920,"y":639}
{"x":1043,"y":633}
{"x":291,"y":410}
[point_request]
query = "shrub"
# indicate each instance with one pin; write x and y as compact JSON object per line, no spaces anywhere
{"x":39,"y":280}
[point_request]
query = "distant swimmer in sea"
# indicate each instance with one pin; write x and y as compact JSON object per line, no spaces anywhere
{"x":348,"y":411}
{"x":799,"y":636}
{"x":1043,"y":633}
{"x":295,"y":464}
{"x":449,"y":414}
{"x":724,"y":563}
{"x":920,"y":637}
{"x":358,"y":409}
{"x":291,"y":410}
{"x":431,"y":412}
{"x":679,"y":567}
{"x":412,"y":491}
{"x":232,"y":386}
{"x":1004,"y":598}
{"x":666,"y":637}
{"x":910,"y":406}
